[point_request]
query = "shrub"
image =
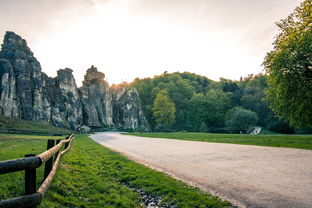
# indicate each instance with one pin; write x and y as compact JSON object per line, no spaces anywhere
{"x":240,"y":120}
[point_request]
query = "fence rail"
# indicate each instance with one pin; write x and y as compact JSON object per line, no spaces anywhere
{"x":30,"y":163}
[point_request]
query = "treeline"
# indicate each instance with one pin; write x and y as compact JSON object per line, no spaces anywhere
{"x":186,"y":101}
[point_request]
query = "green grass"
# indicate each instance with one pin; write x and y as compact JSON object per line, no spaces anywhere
{"x":7,"y":123}
{"x":272,"y":140}
{"x":91,"y":175}
{"x":13,"y":146}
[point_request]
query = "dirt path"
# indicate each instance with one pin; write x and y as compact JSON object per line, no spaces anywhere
{"x":249,"y":176}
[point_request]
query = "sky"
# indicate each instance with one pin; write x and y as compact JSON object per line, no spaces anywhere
{"x":126,"y":39}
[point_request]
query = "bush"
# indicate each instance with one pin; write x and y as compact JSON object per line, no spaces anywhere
{"x":281,"y":127}
{"x":203,"y":127}
{"x":240,"y":120}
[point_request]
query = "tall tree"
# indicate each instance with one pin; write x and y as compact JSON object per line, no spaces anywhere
{"x":163,"y":111}
{"x":289,"y":66}
{"x":208,"y":109}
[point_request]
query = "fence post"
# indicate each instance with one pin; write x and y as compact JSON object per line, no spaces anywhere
{"x":30,"y":179}
{"x":56,"y":154}
{"x":49,"y":163}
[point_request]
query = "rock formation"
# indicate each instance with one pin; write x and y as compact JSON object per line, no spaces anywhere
{"x":96,"y":99}
{"x":65,"y":100}
{"x":27,"y":77}
{"x":127,"y":109}
{"x":28,"y":93}
{"x":9,"y":102}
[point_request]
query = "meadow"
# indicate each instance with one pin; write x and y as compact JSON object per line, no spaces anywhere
{"x":91,"y":175}
{"x":272,"y":140}
{"x":24,"y":126}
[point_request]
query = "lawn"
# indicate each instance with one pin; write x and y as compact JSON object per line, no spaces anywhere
{"x":273,"y":140}
{"x":91,"y":175}
{"x":13,"y":146}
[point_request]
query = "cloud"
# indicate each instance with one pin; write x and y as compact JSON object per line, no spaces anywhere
{"x":130,"y":38}
{"x":252,"y":20}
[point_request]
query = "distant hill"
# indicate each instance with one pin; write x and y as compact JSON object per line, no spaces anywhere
{"x":202,"y":104}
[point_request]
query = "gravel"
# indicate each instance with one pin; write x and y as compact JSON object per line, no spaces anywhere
{"x":248,"y":176}
{"x":148,"y":201}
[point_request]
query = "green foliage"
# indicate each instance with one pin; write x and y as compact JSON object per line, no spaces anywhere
{"x":90,"y":175}
{"x":209,"y":109}
{"x":277,"y":125}
{"x":289,"y":66}
{"x":163,"y":110}
{"x":181,"y":87}
{"x":221,"y":103}
{"x":203,"y":127}
{"x":273,"y":140}
{"x":200,"y":100}
{"x":240,"y":120}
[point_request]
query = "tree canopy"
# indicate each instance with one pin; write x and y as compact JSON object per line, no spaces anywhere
{"x":289,"y":68}
{"x":241,"y":120}
{"x":163,"y":111}
{"x":201,"y":104}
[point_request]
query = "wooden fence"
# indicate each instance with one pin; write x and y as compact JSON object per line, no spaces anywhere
{"x":30,"y":163}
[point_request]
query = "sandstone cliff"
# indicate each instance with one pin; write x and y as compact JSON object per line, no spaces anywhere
{"x":96,"y":99}
{"x":127,"y":109}
{"x":28,"y":93}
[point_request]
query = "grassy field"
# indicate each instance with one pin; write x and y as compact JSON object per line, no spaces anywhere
{"x":93,"y":176}
{"x":273,"y":140}
{"x":23,"y":125}
{"x":13,"y":146}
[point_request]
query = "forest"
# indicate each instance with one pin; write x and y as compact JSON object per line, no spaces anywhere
{"x":190,"y":102}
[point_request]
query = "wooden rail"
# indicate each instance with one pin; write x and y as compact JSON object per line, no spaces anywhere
{"x":29,"y":164}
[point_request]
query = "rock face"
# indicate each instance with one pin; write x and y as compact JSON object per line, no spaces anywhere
{"x":28,"y":93}
{"x":65,"y":100}
{"x":27,"y":75}
{"x":127,"y":109}
{"x":9,"y":102}
{"x":96,"y":99}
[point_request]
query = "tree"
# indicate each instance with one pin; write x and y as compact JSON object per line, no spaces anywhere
{"x":221,"y":103}
{"x":276,"y":125}
{"x":203,"y":127}
{"x":208,"y":109}
{"x":289,"y":67}
{"x":240,"y":120}
{"x":163,"y":111}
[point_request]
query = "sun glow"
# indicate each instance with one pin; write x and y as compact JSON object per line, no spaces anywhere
{"x":125,"y":46}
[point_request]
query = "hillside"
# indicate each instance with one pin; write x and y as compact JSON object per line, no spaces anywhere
{"x":22,"y":126}
{"x":202,"y":104}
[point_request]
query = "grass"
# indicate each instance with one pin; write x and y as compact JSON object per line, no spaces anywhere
{"x":272,"y":140}
{"x":19,"y":125}
{"x":13,"y":146}
{"x":91,"y":175}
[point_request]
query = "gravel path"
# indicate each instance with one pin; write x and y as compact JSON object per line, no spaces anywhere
{"x":248,"y":176}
